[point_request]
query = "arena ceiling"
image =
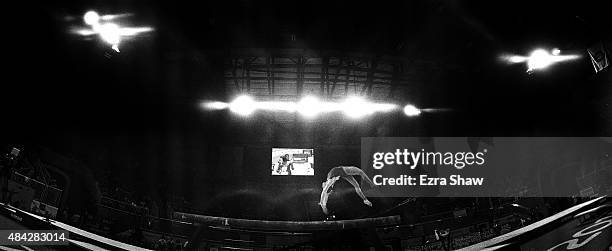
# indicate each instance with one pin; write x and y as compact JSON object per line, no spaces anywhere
{"x":137,"y":112}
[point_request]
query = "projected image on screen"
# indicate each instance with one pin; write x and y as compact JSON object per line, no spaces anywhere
{"x":290,"y":161}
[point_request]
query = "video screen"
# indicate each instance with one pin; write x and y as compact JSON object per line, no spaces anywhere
{"x":291,"y":161}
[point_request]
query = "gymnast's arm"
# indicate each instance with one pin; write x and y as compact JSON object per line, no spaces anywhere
{"x":326,"y":191}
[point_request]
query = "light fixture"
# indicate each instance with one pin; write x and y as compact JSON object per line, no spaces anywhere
{"x":540,"y":59}
{"x":308,"y":106}
{"x":91,"y":18}
{"x":109,"y":32}
{"x":411,"y":110}
{"x":556,"y":51}
{"x":356,"y":107}
{"x":215,"y":105}
{"x":243,"y":105}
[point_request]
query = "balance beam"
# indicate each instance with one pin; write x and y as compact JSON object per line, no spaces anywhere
{"x":297,"y":226}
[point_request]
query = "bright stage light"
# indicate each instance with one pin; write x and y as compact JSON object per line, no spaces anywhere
{"x":84,"y":32}
{"x":383,"y":107}
{"x":308,"y":106}
{"x":243,"y":105}
{"x":109,"y":32}
{"x":91,"y":18}
{"x":516,"y":59}
{"x":356,"y":107}
{"x":109,"y":17}
{"x":411,"y":110}
{"x":556,"y":51}
{"x":132,"y":31}
{"x":215,"y":105}
{"x":539,"y":59}
{"x":277,"y":106}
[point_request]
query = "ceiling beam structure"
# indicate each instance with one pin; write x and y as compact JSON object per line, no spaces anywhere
{"x":289,"y":74}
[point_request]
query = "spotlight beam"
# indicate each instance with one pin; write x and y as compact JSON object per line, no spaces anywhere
{"x":308,"y":106}
{"x":109,"y":32}
{"x":540,"y":59}
{"x":411,"y":110}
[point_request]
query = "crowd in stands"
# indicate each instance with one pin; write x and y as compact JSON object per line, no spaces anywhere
{"x":152,"y":241}
{"x":169,"y":244}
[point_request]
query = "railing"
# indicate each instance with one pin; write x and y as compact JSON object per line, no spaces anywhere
{"x":127,"y":216}
{"x":42,"y":192}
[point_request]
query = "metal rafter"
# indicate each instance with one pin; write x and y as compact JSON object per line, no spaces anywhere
{"x":331,"y":92}
{"x":394,"y":82}
{"x":324,"y":74}
{"x":370,"y":77}
{"x":300,"y":70}
{"x":300,"y":75}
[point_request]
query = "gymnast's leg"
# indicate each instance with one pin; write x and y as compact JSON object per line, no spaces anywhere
{"x":353,"y":182}
{"x":351,"y":170}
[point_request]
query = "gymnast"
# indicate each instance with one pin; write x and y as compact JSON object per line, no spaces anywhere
{"x":345,"y":172}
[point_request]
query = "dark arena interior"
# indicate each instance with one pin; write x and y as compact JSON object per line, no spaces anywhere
{"x":248,"y":125}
